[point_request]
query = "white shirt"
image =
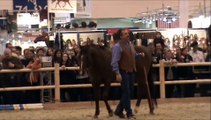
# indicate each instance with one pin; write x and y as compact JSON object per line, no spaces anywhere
{"x":197,"y":56}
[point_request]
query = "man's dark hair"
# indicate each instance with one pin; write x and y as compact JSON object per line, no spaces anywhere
{"x":7,"y":44}
{"x":18,"y":48}
{"x":116,"y":37}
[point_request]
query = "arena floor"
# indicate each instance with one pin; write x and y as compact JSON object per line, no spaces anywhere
{"x":174,"y":109}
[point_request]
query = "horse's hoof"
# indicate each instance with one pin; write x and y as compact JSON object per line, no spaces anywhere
{"x":136,"y":109}
{"x":95,"y":116}
{"x":151,"y":112}
{"x":111,"y":114}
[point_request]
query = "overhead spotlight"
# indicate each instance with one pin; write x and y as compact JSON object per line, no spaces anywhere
{"x":75,"y":25}
{"x":58,"y":26}
{"x":150,"y":22}
{"x":67,"y":26}
{"x":164,"y":19}
{"x":174,"y":19}
{"x":137,"y":21}
{"x":92,"y":24}
{"x":83,"y":24}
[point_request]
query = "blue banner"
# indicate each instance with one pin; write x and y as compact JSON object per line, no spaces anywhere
{"x":24,"y":5}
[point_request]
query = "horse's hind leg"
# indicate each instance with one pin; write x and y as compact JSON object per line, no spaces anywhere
{"x":151,"y":107}
{"x":138,"y":102}
{"x":97,"y":97}
{"x":105,"y":98}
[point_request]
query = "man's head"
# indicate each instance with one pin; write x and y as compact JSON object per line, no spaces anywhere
{"x":9,"y":45}
{"x":158,"y":35}
{"x":158,"y":47}
{"x":124,"y":34}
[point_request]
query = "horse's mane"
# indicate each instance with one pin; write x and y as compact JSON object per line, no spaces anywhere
{"x":97,"y":60}
{"x":96,"y":56}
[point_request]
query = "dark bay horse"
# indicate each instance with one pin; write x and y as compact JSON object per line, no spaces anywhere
{"x":96,"y":60}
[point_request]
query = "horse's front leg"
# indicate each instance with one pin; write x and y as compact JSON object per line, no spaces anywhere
{"x":105,"y":98}
{"x":97,"y":97}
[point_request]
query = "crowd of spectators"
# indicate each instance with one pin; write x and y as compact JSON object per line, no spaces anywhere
{"x":32,"y":58}
{"x":188,"y":53}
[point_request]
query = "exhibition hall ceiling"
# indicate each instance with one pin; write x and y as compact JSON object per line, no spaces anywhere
{"x":130,"y":8}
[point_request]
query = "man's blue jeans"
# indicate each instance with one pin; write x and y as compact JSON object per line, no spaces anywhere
{"x":126,"y":92}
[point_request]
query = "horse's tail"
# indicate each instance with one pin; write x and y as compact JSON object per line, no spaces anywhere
{"x":151,"y":105}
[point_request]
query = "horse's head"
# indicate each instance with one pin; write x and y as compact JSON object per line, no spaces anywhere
{"x":83,"y":57}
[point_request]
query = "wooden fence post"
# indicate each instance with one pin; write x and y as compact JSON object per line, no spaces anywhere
{"x":162,"y":80}
{"x":57,"y":83}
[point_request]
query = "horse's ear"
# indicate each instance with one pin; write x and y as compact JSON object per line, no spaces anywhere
{"x":81,"y":47}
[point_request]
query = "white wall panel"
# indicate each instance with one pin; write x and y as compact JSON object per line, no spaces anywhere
{"x":6,"y":4}
{"x":126,"y":8}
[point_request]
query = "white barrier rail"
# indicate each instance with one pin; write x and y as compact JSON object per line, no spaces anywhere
{"x":162,"y":64}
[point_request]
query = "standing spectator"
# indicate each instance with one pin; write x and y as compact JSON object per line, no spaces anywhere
{"x":169,"y":72}
{"x":158,"y":39}
{"x":34,"y":80}
{"x":67,"y":77}
{"x":12,"y":79}
{"x":49,"y":52}
{"x":197,"y":55}
{"x":159,"y":54}
{"x":28,"y":56}
{"x":57,"y":57}
{"x":186,"y":73}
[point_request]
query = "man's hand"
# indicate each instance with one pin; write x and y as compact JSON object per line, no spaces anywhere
{"x":11,"y":65}
{"x":63,"y":67}
{"x":118,"y":77}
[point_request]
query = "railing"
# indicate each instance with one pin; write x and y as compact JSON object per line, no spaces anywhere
{"x":162,"y":81}
{"x":57,"y":85}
